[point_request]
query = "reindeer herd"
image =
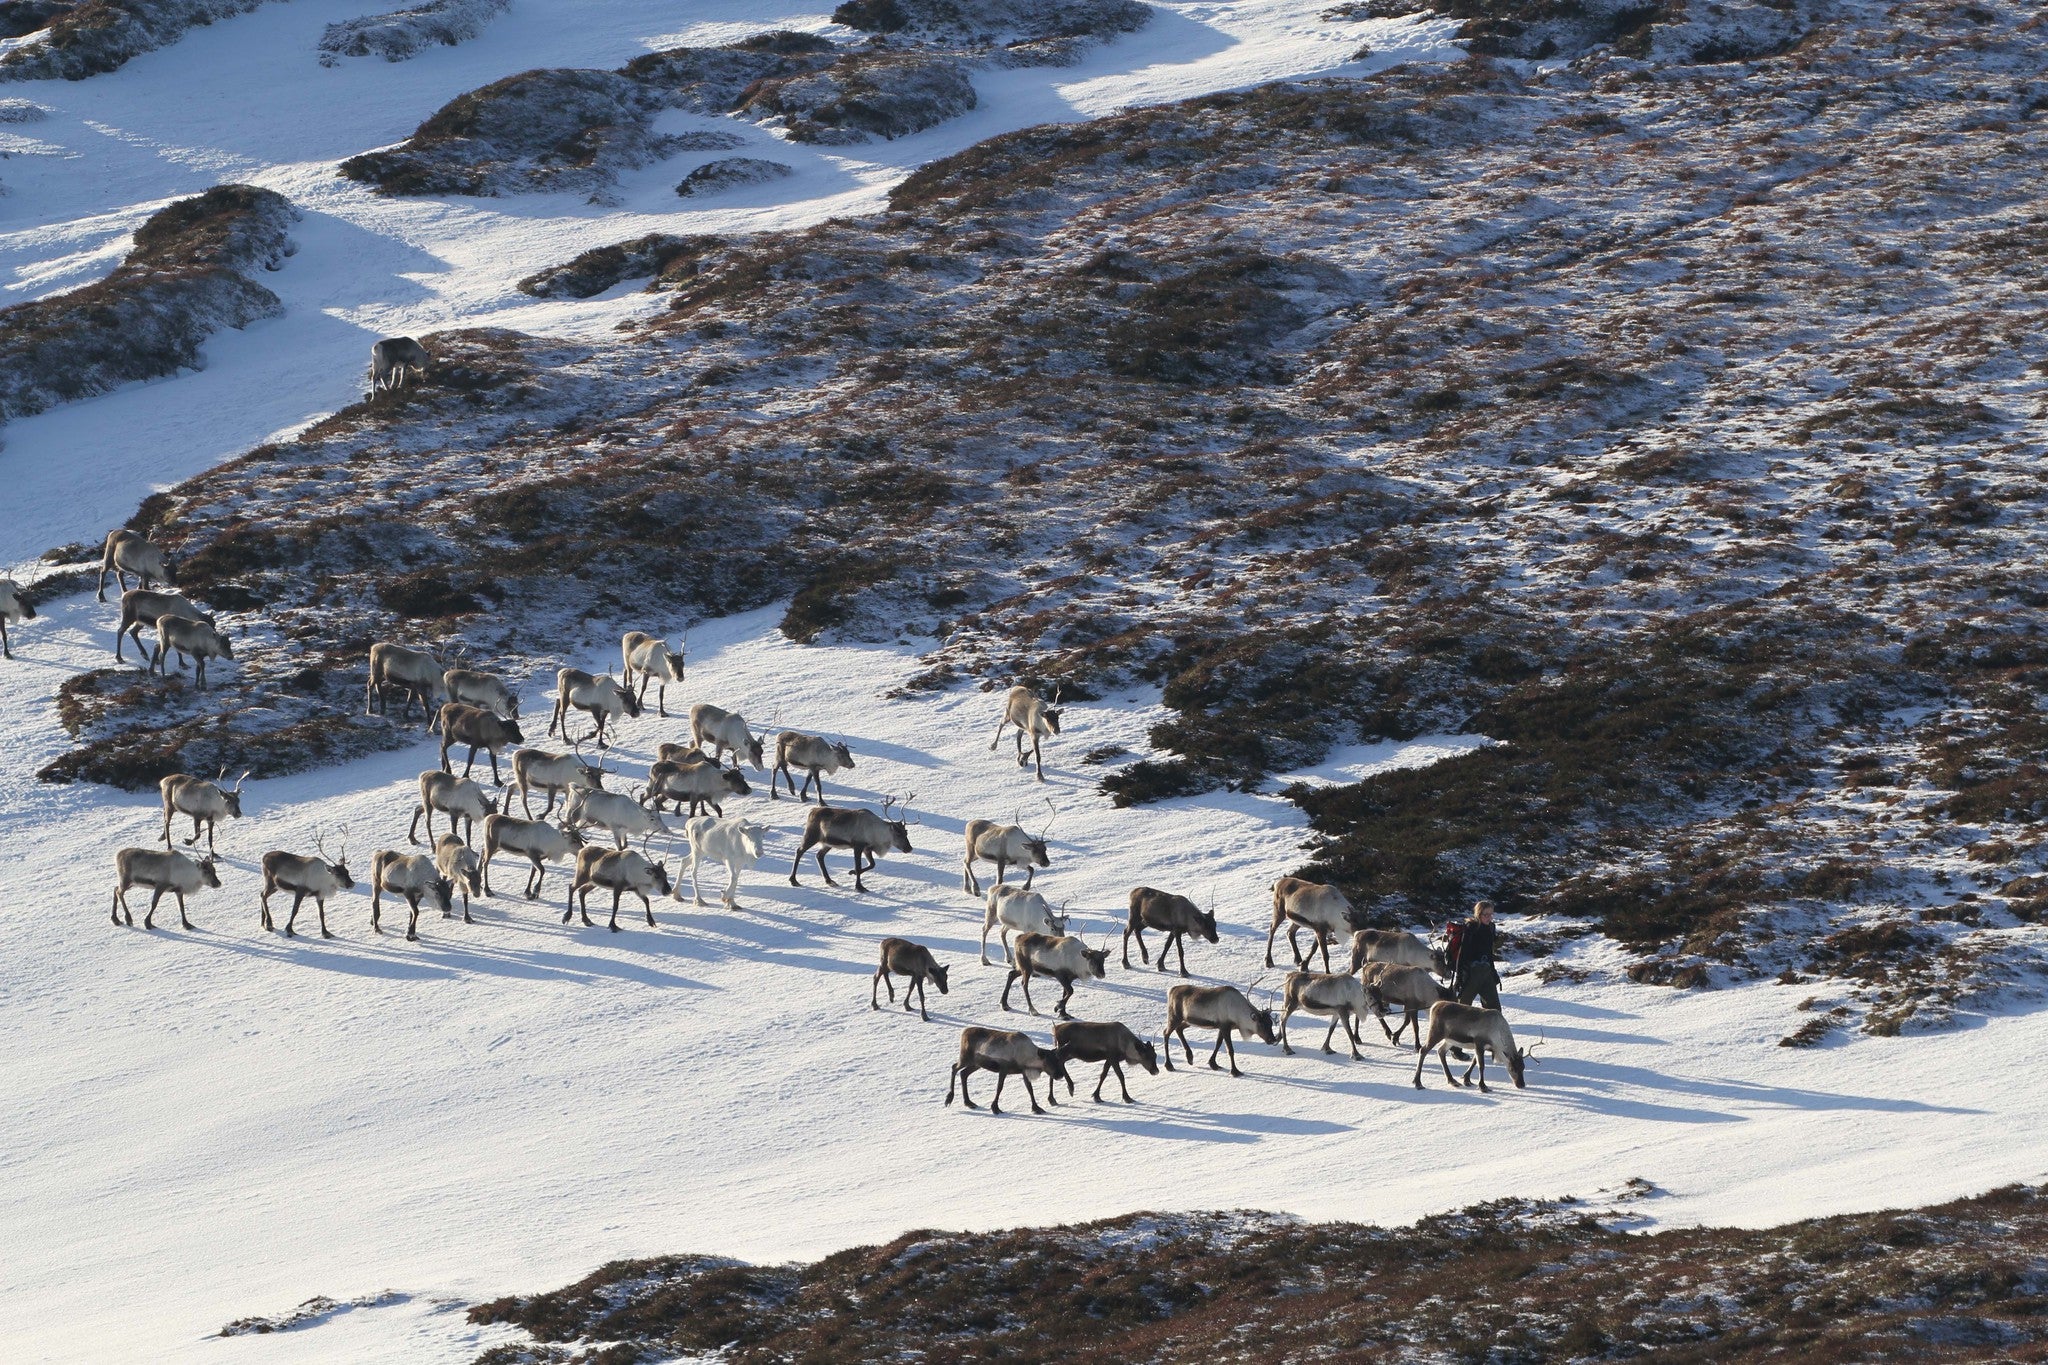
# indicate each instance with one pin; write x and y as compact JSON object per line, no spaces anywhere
{"x":592,"y":829}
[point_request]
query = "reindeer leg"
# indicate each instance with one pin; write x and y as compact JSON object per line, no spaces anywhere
{"x":1034,"y":1094}
{"x":412,"y":925}
{"x":1232,"y":1045}
{"x":472,"y":763}
{"x":323,"y":918}
{"x":1180,"y":946}
{"x":922,"y":1012}
{"x":1066,"y":995}
{"x":960,"y":1079}
{"x":120,"y":907}
{"x":1445,"y":1061}
{"x":1120,"y":1084}
{"x":1351,"y":1031}
{"x":1185,"y":1046}
{"x":995,"y":1106}
{"x":1015,"y":972}
{"x":1038,"y":758}
{"x":289,"y":931}
{"x":827,"y":875}
{"x":1324,"y":940}
{"x":615,"y":910}
{"x":1285,"y":1046}
{"x":992,"y":743}
{"x":376,"y":909}
{"x":195,"y":833}
{"x":1221,"y":1034}
{"x":648,"y":905}
{"x":583,"y":904}
{"x":496,"y":780}
{"x":1275,"y":929}
{"x":874,"y":988}
{"x":1142,"y":955}
{"x":149,"y":917}
{"x":1331,"y":1032}
{"x":412,"y":832}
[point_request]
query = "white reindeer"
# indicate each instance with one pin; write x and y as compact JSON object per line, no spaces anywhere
{"x":1018,"y":910}
{"x":396,"y":361}
{"x":458,"y":862}
{"x":413,"y":876}
{"x":474,"y":688}
{"x":1033,"y":716}
{"x":1064,"y":958}
{"x":735,"y":842}
{"x":1314,"y":906}
{"x":649,"y":659}
{"x":1006,"y":846}
{"x":1341,"y":997}
{"x":145,"y":607}
{"x":556,"y":774}
{"x":616,"y":812}
{"x":161,"y":872}
{"x":128,"y":552}
{"x":415,"y":671}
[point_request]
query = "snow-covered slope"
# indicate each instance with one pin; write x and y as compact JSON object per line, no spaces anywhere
{"x":208,"y":1125}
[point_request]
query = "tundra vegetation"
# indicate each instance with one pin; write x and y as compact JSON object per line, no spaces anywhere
{"x":1597,"y":411}
{"x":1514,"y":1280}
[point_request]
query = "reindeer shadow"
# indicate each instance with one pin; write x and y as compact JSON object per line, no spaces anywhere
{"x":1601,"y":1087}
{"x":1177,"y":1123}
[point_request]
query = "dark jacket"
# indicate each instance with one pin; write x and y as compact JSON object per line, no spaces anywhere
{"x":1475,"y":952}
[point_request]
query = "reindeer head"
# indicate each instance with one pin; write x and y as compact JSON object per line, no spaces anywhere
{"x":231,"y":795}
{"x":734,"y":781}
{"x":754,"y":747}
{"x":842,"y":755}
{"x":571,"y":833}
{"x":339,"y":867}
{"x":442,"y":894}
{"x":208,"y":872}
{"x":1059,"y":921}
{"x":1262,"y":1016}
{"x":938,"y":977}
{"x":1055,"y":1065}
{"x":1517,"y":1058}
{"x":1097,"y":960}
{"x":490,"y":802}
{"x":1205,"y":920}
{"x":1051,"y":710}
{"x":626,"y":700}
{"x":1148,"y":1056}
{"x":899,"y":830}
{"x":659,"y":871}
{"x":513,"y":734}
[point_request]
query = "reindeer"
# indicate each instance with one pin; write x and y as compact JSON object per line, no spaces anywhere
{"x":538,"y":841}
{"x":1412,"y":990}
{"x":650,"y":659}
{"x":613,"y":811}
{"x":1032,"y":716}
{"x":1113,"y":1045}
{"x":186,"y":638}
{"x":1223,"y":1008}
{"x":617,"y":871}
{"x":538,"y":770}
{"x":1064,"y":958}
{"x":479,"y":729}
{"x":1479,"y":1029}
{"x":161,"y":872}
{"x":458,"y":863}
{"x":1396,"y":946}
{"x":1003,"y":845}
{"x":1177,"y":915}
{"x":698,"y":785}
{"x":815,"y":754}
{"x":395,"y":361}
{"x":303,"y":877}
{"x":1007,"y":1054}
{"x":413,"y":876}
{"x":15,"y":608}
{"x":1341,"y":997}
{"x":129,"y":552}
{"x":864,"y":832}
{"x":206,"y":802}
{"x":735,"y":842}
{"x":460,"y":798}
{"x":1300,"y":904}
{"x":1027,"y":912}
{"x":901,"y":957}
{"x":419,"y":674}
{"x":727,"y":730}
{"x":146,"y":607}
{"x":475,"y":688}
{"x":681,"y":753}
{"x":600,"y":698}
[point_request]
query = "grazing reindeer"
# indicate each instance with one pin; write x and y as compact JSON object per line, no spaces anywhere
{"x":651,"y":660}
{"x":145,"y":607}
{"x":727,"y":730}
{"x":1412,"y":990}
{"x":417,"y":673}
{"x":697,"y":785}
{"x":1113,"y":1045}
{"x":1223,"y":1008}
{"x":1005,"y":846}
{"x":459,"y":864}
{"x":1032,"y":716}
{"x":681,"y":753}
{"x":161,"y":872}
{"x":616,"y":812}
{"x":556,"y":774}
{"x":901,"y":957}
{"x":303,"y":877}
{"x":129,"y":552}
{"x":206,"y":802}
{"x":537,"y":840}
{"x":15,"y":608}
{"x":474,"y":688}
{"x":413,"y":876}
{"x":1007,"y":1054}
{"x":617,"y":871}
{"x":735,"y":842}
{"x":1026,"y":912}
{"x":186,"y":638}
{"x":1320,"y":909}
{"x":479,"y":729}
{"x":1341,"y":997}
{"x":1064,"y":958}
{"x":458,"y":797}
{"x":1177,"y":915}
{"x":1482,"y":1030}
{"x":864,"y":832}
{"x":815,"y":754}
{"x":395,"y":362}
{"x":599,"y":697}
{"x":1398,"y":947}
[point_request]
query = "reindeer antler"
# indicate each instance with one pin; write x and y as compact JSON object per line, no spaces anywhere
{"x":243,"y":778}
{"x":343,"y":859}
{"x":906,"y":804}
{"x":1052,"y":816}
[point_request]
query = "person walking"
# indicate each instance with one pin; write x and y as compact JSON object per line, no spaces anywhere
{"x":1472,"y":973}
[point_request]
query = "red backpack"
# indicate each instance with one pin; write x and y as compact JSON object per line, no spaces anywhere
{"x":1454,"y":939}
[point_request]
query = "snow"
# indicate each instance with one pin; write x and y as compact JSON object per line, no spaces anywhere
{"x":211,"y":1125}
